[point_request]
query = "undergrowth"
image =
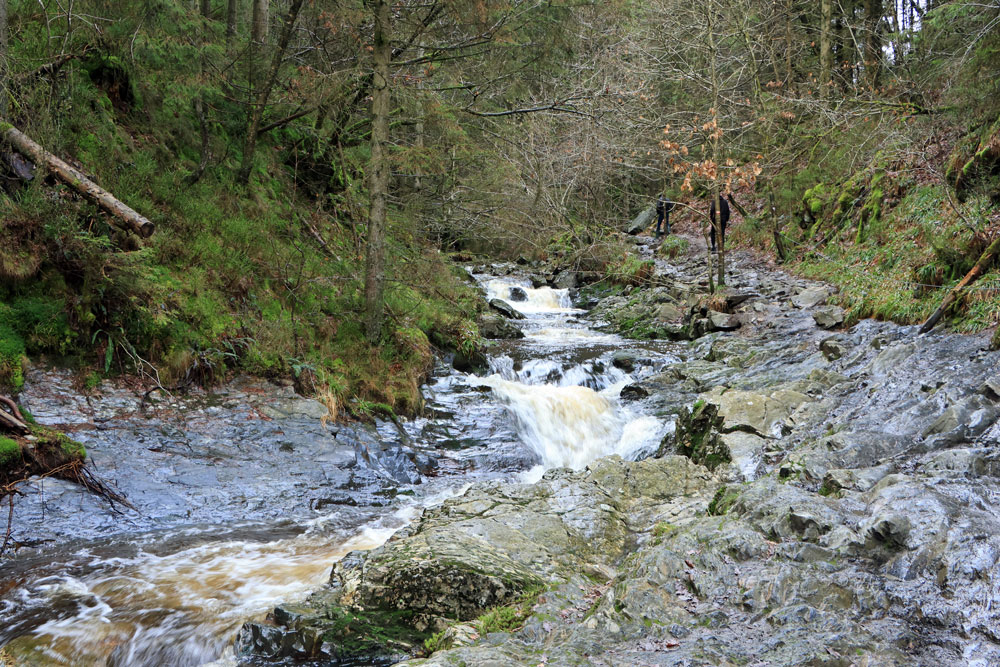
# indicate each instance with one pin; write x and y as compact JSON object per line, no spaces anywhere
{"x":264,"y":280}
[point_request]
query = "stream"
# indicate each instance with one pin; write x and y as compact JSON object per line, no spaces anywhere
{"x":245,"y":498}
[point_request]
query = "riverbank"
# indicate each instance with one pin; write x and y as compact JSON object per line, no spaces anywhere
{"x":841,"y":509}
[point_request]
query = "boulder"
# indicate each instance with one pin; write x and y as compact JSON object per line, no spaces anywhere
{"x":642,"y":221}
{"x":506,"y":309}
{"x":625,"y":360}
{"x":633,"y":392}
{"x":757,"y":413}
{"x":828,"y":317}
{"x":669,"y":312}
{"x":811,"y":296}
{"x":495,"y":327}
{"x":565,"y":280}
{"x":832,"y":348}
{"x":722,"y":321}
{"x":518,"y":294}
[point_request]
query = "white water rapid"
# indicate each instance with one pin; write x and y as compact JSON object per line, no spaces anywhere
{"x":567,"y":412}
{"x":176,"y":590}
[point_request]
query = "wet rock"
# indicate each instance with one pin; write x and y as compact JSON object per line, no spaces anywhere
{"x":518,"y":294}
{"x":390,"y":462}
{"x":295,"y":407}
{"x":625,"y":360}
{"x":833,"y":348}
{"x":633,"y":392}
{"x":565,"y":280}
{"x":891,"y":358}
{"x":722,"y":321}
{"x":506,"y":309}
{"x":746,"y":452}
{"x":495,"y":327}
{"x":811,"y":296}
{"x":333,"y":498}
{"x":962,"y":421}
{"x":828,"y":317}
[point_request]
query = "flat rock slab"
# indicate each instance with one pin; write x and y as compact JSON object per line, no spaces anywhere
{"x":812,"y":296}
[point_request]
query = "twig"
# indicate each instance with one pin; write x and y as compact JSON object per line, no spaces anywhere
{"x":10,"y":524}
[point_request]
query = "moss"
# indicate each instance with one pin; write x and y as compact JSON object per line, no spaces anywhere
{"x":697,"y":436}
{"x":10,"y":452}
{"x":815,"y":199}
{"x":509,"y":618}
{"x":723,"y":500}
{"x":361,"y":633}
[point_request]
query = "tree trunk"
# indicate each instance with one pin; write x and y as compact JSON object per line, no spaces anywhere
{"x":250,"y":145}
{"x":788,"y":42}
{"x":4,"y":69}
{"x":378,"y":175}
{"x":825,"y":46}
{"x":126,"y":217}
{"x":231,"y":22}
{"x":873,"y":42}
{"x":985,"y":261}
{"x":206,"y":8}
{"x":716,"y":100}
{"x":258,"y":32}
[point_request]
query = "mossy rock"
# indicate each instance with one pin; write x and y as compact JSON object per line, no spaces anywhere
{"x":697,"y":435}
{"x":10,"y":452}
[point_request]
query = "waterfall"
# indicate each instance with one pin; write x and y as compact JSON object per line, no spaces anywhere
{"x":570,"y":426}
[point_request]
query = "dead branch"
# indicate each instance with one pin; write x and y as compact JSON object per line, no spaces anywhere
{"x":74,"y":178}
{"x":984,"y":263}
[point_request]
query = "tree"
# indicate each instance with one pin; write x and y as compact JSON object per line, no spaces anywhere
{"x":257,"y":111}
{"x":4,"y":61}
{"x":378,"y":172}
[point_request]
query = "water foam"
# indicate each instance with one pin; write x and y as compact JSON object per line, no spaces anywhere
{"x":571,"y":426}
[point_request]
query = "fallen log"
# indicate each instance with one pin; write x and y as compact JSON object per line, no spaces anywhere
{"x":127,"y":218}
{"x":11,"y":418}
{"x":984,"y":263}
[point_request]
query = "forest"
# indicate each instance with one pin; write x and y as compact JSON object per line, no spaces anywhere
{"x":313,"y":170}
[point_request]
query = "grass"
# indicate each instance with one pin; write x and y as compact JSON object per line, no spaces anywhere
{"x":234,"y":278}
{"x":894,"y":262}
{"x":509,"y":618}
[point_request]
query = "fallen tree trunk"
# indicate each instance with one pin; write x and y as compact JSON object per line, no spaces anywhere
{"x":11,"y":418}
{"x":984,"y":263}
{"x":127,"y":218}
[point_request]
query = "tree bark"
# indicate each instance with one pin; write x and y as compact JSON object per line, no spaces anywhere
{"x":257,"y":113}
{"x":259,"y":29}
{"x":378,"y":175}
{"x":716,"y":199}
{"x":4,"y":69}
{"x":985,"y":261}
{"x":127,"y":218}
{"x":206,"y":8}
{"x":873,"y":42}
{"x":825,"y":45}
{"x":231,"y":8}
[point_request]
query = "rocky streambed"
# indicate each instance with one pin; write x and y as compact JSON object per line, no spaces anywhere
{"x":751,"y":486}
{"x":825,"y":498}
